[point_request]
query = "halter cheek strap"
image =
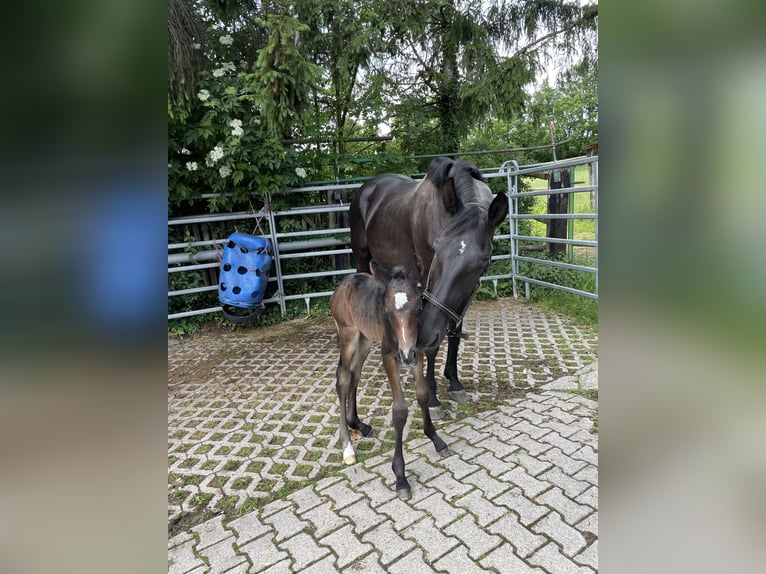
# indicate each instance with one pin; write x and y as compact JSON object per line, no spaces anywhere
{"x":457,"y":319}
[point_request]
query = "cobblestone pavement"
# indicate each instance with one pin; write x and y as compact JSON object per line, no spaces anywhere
{"x":252,"y":425}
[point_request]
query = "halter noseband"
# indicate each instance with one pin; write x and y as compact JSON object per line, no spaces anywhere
{"x":458,"y":319}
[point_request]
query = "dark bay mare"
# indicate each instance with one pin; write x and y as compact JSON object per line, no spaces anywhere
{"x":386,"y":309}
{"x":440,"y":229}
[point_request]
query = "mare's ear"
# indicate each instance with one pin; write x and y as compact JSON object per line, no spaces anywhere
{"x":498,"y":210}
{"x":440,"y":177}
{"x":380,"y":274}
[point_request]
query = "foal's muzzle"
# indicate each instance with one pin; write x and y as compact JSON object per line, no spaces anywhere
{"x":408,"y":358}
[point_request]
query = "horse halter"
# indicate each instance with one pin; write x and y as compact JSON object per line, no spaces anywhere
{"x":458,"y":319}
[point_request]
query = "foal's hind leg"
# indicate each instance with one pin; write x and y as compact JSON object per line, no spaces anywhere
{"x":363,"y":349}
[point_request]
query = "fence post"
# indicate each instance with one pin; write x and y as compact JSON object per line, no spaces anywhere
{"x":280,"y":294}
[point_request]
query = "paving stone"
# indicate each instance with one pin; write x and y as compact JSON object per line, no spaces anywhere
{"x":325,"y":566}
{"x":263,"y":552}
{"x":494,"y":466}
{"x":341,"y":494}
{"x":523,"y":540}
{"x":589,"y":556}
{"x":221,"y":556}
{"x":571,"y":487}
{"x":457,"y":467}
{"x":367,"y":565}
{"x":324,"y":519}
{"x":303,"y":550}
{"x":562,"y":429}
{"x":425,"y":534}
{"x":565,"y":462}
{"x":464,"y":450}
{"x":448,"y":486}
{"x":497,"y":447}
{"x":362,"y":516}
{"x":179,"y":539}
{"x":437,"y":508}
{"x":589,"y":497}
{"x":181,"y":558}
{"x":589,"y":524}
{"x":503,"y":559}
{"x":528,"y":483}
{"x":346,"y":546}
{"x":552,"y":560}
{"x":588,"y":474}
{"x":211,"y":532}
{"x":247,"y":527}
{"x":401,"y":513}
{"x":568,"y":508}
{"x":458,"y":562}
{"x":475,"y":538}
{"x":469,"y":434}
{"x":566,"y":445}
{"x":243,"y":568}
{"x":357,"y":474}
{"x":424,"y":470}
{"x":586,"y":453}
{"x":285,"y":523}
{"x":377,"y":492}
{"x":559,"y":531}
{"x":483,"y":510}
{"x":388,"y":542}
{"x":531,"y":465}
{"x":412,"y":563}
{"x":533,"y":417}
{"x":305,"y":499}
{"x":274,"y":507}
{"x":490,"y":487}
{"x":533,"y":446}
{"x":282,"y":567}
{"x":527,"y":510}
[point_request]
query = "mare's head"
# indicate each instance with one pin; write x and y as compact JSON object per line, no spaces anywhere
{"x":463,"y":247}
{"x":403,"y":307}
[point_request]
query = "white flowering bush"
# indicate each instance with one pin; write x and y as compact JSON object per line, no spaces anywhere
{"x":227,"y":141}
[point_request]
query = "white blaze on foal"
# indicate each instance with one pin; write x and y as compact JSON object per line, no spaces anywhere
{"x":400,"y":300}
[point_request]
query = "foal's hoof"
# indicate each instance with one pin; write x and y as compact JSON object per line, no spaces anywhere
{"x":404,"y":493}
{"x":436,"y":413}
{"x":458,"y":396}
{"x":349,"y":460}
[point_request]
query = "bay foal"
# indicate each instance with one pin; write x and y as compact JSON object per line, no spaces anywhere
{"x":383,"y":308}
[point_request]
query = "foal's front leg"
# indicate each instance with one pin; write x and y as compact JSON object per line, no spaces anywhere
{"x":423,"y":392}
{"x":399,"y":419}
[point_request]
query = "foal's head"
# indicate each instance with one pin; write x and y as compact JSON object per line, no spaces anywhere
{"x":403,"y":306}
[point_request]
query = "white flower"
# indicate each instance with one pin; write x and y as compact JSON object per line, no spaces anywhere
{"x":224,"y":170}
{"x":197,"y":46}
{"x":225,"y":67}
{"x":218,"y":72}
{"x":191,"y":165}
{"x":215,"y":154}
{"x":203,"y":95}
{"x":237,"y":128}
{"x":226,"y":40}
{"x":300,"y":172}
{"x":185,"y":151}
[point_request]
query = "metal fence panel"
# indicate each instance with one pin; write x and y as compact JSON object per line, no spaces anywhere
{"x":312,"y":243}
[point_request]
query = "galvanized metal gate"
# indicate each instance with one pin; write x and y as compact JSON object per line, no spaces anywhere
{"x":204,"y":254}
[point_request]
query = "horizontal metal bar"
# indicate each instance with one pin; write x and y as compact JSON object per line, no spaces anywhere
{"x":195,"y":244}
{"x":555,"y":216}
{"x":314,"y":253}
{"x":192,"y":313}
{"x":571,"y":290}
{"x":569,"y":190}
{"x":211,"y":217}
{"x":551,"y":165}
{"x":558,"y":264}
{"x":314,"y":232}
{"x":192,"y":290}
{"x":582,"y":243}
{"x":314,"y":210}
{"x":308,"y":295}
{"x":317,"y":274}
{"x":192,"y":267}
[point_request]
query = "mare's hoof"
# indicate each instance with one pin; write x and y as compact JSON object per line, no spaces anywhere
{"x":458,"y":396}
{"x":445,"y":452}
{"x":404,"y":493}
{"x":436,"y":413}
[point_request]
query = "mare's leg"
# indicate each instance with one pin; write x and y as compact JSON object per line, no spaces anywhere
{"x":422,"y":391}
{"x":434,"y":404}
{"x":456,"y":391}
{"x":363,"y":349}
{"x":342,"y":386}
{"x":399,"y":419}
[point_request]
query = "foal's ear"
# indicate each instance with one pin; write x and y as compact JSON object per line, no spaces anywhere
{"x":439,"y":175}
{"x":380,"y":274}
{"x":498,"y":209}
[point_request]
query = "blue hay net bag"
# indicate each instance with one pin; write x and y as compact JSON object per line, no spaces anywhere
{"x":244,"y":273}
